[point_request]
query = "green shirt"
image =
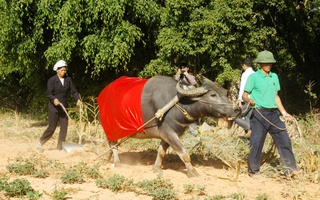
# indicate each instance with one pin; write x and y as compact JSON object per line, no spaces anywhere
{"x":263,"y":89}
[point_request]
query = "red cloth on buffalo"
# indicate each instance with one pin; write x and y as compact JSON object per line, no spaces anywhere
{"x":120,"y":107}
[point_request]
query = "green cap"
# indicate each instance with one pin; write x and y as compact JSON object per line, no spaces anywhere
{"x":265,"y":57}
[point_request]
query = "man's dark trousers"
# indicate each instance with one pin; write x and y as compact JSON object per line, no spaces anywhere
{"x":260,"y":127}
{"x":54,"y":117}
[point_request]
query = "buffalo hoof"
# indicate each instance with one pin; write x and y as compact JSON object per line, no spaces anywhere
{"x":156,"y":169}
{"x":116,"y":164}
{"x":108,"y":155}
{"x":192,"y":173}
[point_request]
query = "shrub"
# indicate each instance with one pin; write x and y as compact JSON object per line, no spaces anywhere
{"x":158,"y":188}
{"x":18,"y":188}
{"x":72,"y":177}
{"x":102,"y":183}
{"x":59,"y":195}
{"x":118,"y":183}
{"x":40,"y":174}
{"x":93,"y":172}
{"x":163,"y":193}
{"x":21,"y":168}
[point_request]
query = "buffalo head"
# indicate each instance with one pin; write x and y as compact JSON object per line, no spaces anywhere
{"x":210,"y":96}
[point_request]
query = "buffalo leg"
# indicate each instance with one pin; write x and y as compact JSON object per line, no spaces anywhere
{"x":185,"y":157}
{"x":114,"y":148}
{"x":177,"y":146}
{"x":161,"y":153}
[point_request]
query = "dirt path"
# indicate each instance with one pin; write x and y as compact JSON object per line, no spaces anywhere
{"x":138,"y":166}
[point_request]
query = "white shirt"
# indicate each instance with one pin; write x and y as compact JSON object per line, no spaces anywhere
{"x":62,"y":81}
{"x":243,"y":81}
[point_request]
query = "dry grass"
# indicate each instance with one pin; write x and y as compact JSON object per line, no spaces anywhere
{"x":220,"y":148}
{"x":223,"y":145}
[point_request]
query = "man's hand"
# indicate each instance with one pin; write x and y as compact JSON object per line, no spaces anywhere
{"x":79,"y":103}
{"x":287,"y":116}
{"x":251,"y":102}
{"x":56,"y":102}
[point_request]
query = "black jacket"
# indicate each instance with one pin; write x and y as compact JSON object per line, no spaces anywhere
{"x":58,"y":91}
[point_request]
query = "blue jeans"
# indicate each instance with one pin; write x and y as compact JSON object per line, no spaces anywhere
{"x":244,"y":119}
{"x":260,"y":127}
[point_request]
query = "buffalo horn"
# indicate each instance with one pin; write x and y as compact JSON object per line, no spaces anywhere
{"x":190,"y":91}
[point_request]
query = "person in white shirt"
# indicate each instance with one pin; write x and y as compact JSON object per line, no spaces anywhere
{"x":244,"y":119}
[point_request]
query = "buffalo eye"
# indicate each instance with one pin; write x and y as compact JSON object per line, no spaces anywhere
{"x":213,"y":95}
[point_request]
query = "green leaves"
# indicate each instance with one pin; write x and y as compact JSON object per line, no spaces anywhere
{"x":94,"y":37}
{"x":207,"y":34}
{"x":104,"y":39}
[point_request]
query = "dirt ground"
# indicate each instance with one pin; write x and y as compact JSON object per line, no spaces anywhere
{"x":215,"y":177}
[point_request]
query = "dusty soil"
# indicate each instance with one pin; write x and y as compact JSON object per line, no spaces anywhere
{"x":216,"y":178}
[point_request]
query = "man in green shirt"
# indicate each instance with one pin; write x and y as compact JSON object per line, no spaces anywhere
{"x":263,"y":87}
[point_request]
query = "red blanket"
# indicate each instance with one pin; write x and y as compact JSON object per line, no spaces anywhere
{"x":120,"y":107}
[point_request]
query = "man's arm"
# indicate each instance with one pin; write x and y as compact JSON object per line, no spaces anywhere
{"x":192,"y":79}
{"x":280,"y":106}
{"x":50,"y":90}
{"x":75,"y":93}
{"x":246,"y":98}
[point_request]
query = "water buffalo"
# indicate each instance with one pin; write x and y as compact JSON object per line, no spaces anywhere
{"x":128,"y":107}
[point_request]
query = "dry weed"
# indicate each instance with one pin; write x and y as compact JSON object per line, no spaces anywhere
{"x":224,"y":145}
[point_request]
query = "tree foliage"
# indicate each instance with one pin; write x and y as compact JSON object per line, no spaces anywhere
{"x":104,"y":39}
{"x":96,"y":38}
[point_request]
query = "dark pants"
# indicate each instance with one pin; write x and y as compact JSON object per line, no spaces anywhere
{"x":244,"y":119}
{"x":54,"y":117}
{"x":260,"y":127}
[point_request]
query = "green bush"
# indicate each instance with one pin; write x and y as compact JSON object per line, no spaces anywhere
{"x":3,"y":183}
{"x":21,"y":168}
{"x":27,"y":166}
{"x":93,"y":172}
{"x":72,"y":177}
{"x":158,"y":188}
{"x":40,"y":173}
{"x":18,"y":188}
{"x":118,"y":183}
{"x":102,"y":183}
{"x":82,"y":168}
{"x":263,"y":196}
{"x":59,"y":195}
{"x":163,"y":193}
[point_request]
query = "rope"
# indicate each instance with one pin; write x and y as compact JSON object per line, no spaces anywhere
{"x":293,"y":121}
{"x":124,"y":139}
{"x":75,"y":125}
{"x":146,"y":123}
{"x":247,"y":108}
{"x":210,"y":102}
{"x":282,"y":129}
{"x":186,"y":114}
{"x":65,"y":110}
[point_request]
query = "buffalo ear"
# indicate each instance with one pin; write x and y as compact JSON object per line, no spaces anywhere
{"x":190,"y":91}
{"x":204,"y":81}
{"x":199,"y":79}
{"x":211,"y":85}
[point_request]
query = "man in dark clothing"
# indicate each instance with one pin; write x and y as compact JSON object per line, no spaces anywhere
{"x":58,"y":88}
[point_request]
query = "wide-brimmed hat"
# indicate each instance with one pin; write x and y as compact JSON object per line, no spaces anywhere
{"x":59,"y":64}
{"x":265,"y":57}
